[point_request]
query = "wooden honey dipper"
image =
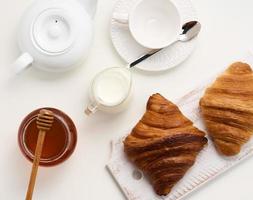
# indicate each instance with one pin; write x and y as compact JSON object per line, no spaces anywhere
{"x":44,"y":123}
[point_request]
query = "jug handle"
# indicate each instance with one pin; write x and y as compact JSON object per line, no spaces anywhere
{"x":91,"y":108}
{"x":23,"y":61}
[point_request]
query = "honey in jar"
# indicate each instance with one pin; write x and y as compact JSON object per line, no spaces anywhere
{"x":59,"y":142}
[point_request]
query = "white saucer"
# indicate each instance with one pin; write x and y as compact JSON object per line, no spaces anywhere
{"x":130,"y":50}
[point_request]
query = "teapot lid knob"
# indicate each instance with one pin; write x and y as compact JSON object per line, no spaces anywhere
{"x":53,"y":31}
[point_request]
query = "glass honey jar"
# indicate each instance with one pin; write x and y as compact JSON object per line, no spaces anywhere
{"x":60,"y":141}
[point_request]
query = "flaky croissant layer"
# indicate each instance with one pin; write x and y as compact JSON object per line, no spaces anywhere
{"x":164,"y":144}
{"x":227,"y":109}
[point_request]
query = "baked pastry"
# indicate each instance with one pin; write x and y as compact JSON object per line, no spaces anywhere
{"x":227,"y":109}
{"x":164,"y":144}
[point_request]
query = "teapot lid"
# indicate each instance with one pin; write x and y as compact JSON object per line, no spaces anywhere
{"x":53,"y":31}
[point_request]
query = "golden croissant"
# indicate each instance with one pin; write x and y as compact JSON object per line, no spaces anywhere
{"x":164,"y":144}
{"x":227,"y":109}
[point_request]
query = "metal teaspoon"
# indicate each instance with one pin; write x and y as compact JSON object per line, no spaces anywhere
{"x":190,"y":30}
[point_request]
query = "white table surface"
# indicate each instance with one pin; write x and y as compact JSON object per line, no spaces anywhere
{"x":227,"y":28}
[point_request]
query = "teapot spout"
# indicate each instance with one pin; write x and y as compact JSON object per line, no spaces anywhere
{"x":90,"y":6}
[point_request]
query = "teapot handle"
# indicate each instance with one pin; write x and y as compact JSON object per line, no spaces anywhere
{"x":23,"y":61}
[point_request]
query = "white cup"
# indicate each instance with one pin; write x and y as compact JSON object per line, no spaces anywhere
{"x":110,"y":90}
{"x":154,"y":24}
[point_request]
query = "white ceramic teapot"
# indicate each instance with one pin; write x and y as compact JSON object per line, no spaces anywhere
{"x":55,"y":35}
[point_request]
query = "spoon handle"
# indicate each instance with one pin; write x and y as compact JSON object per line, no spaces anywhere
{"x":190,"y":30}
{"x":144,"y":57}
{"x":36,"y":161}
